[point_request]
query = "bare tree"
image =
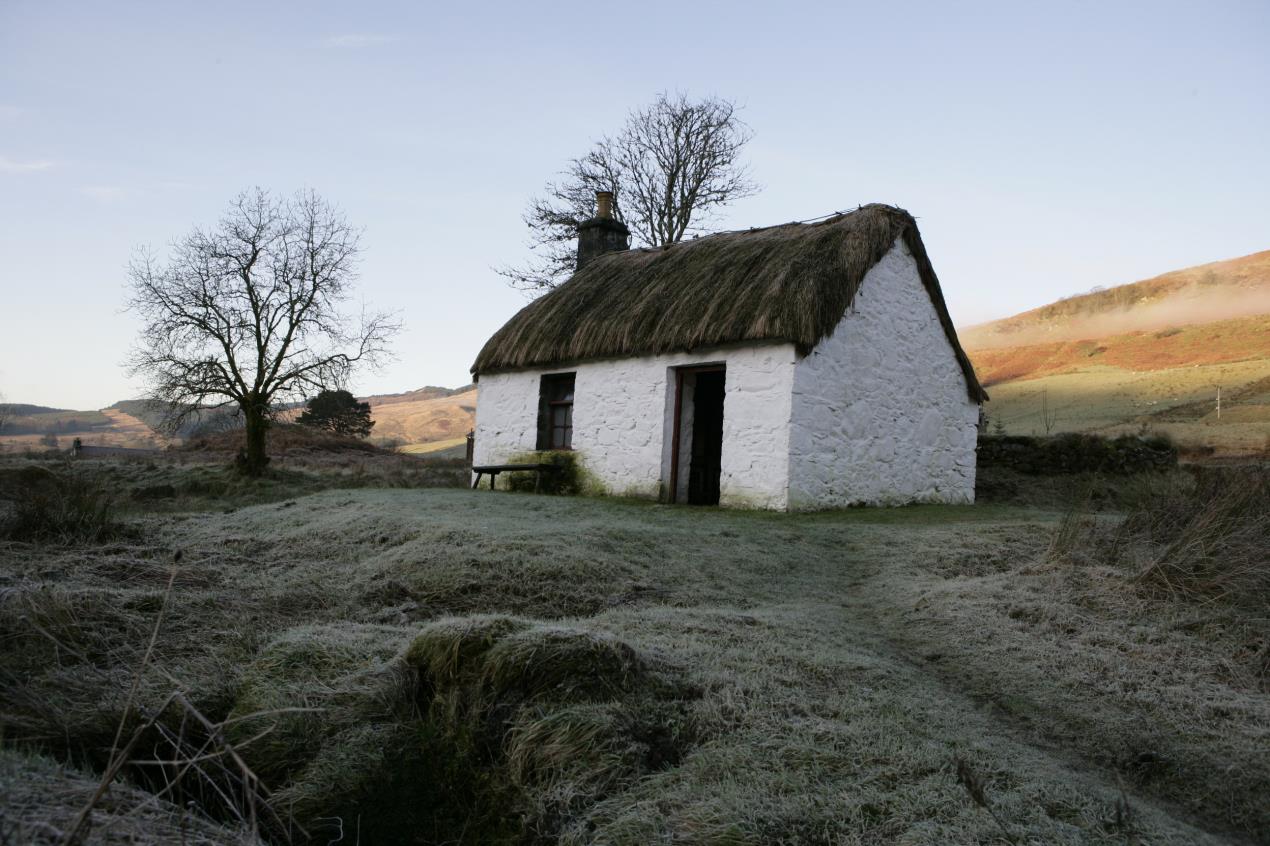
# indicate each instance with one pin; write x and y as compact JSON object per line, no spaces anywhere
{"x":250,"y":314}
{"x":673,"y":164}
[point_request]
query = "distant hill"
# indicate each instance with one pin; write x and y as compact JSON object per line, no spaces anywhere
{"x":1152,"y":355}
{"x":108,"y":427}
{"x":426,"y":418}
{"x":427,"y":392}
{"x":21,"y":409}
{"x":40,"y":420}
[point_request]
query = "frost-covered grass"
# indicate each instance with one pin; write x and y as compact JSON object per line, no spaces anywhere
{"x":40,"y":800}
{"x":451,"y":665}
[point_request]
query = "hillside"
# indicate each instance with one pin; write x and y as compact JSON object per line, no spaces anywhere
{"x":1149,"y":355}
{"x":425,"y":416}
{"x":1220,"y":342}
{"x":1203,"y":294}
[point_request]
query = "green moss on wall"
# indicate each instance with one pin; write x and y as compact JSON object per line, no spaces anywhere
{"x":568,"y":478}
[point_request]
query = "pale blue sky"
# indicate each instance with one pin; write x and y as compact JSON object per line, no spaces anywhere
{"x":1044,"y":149}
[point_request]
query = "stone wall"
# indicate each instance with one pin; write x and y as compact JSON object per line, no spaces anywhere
{"x":881,"y":414}
{"x":1076,"y":453}
{"x":623,"y":413}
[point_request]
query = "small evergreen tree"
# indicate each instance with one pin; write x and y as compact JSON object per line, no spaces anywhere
{"x":338,"y":412}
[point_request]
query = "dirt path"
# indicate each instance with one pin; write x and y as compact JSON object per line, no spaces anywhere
{"x":883,"y":611}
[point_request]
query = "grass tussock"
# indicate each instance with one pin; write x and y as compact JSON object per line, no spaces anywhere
{"x":326,"y":716}
{"x":490,"y":728}
{"x":547,"y":718}
{"x":48,"y":507}
{"x":1206,"y":541}
{"x":1202,"y":535}
{"x":313,"y":682}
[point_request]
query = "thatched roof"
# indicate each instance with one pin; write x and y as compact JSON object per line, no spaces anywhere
{"x":784,"y":283}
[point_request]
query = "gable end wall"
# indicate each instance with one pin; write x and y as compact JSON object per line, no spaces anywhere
{"x":880,"y":412}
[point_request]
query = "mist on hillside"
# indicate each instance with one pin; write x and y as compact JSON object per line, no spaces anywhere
{"x":1194,"y":304}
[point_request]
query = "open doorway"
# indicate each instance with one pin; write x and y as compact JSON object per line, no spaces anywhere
{"x":697,"y":449}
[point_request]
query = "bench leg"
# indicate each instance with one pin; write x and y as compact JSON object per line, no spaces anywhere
{"x":492,"y":477}
{"x":476,"y":481}
{"x":537,"y":481}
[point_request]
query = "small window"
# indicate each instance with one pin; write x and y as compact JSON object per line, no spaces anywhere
{"x":555,"y":411}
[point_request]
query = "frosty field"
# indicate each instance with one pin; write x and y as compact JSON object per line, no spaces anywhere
{"x":443,"y":665}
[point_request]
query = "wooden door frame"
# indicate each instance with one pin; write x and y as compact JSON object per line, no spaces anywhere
{"x":679,"y":393}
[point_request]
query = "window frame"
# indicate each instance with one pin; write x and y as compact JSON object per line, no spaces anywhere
{"x":556,"y":393}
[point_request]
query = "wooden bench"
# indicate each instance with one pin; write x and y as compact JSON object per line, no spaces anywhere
{"x":492,"y":470}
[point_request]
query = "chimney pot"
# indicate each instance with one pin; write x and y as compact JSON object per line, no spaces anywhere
{"x":604,"y":204}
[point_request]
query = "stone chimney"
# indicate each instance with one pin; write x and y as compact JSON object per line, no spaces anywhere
{"x":602,"y":233}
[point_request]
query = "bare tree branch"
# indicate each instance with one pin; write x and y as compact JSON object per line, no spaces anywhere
{"x":251,"y":313}
{"x":672,"y":166}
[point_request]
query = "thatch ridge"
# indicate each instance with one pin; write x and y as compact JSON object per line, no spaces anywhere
{"x":792,"y":282}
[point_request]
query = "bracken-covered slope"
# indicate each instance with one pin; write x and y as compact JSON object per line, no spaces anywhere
{"x":1221,"y":290}
{"x":1152,"y":354}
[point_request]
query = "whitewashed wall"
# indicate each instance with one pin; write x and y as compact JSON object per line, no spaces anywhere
{"x":622,"y":421}
{"x":881,"y":414}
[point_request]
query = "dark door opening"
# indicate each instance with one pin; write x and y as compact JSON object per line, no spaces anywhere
{"x":696,"y":451}
{"x":706,"y":453}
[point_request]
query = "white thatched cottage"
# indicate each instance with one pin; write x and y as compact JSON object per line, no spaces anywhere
{"x":793,"y":367}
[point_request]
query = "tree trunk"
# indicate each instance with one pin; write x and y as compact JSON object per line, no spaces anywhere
{"x":252,"y":459}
